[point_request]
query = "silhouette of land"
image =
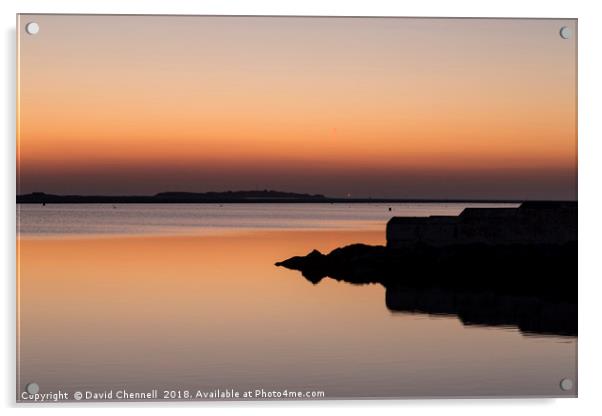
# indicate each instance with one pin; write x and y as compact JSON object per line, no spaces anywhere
{"x":262,"y":196}
{"x":521,"y":272}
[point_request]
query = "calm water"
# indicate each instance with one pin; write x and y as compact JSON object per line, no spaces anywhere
{"x":195,"y":219}
{"x":188,"y":297}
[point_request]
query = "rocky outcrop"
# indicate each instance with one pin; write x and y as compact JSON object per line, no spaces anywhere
{"x":543,"y":270}
{"x":532,"y":287}
{"x":524,"y":276}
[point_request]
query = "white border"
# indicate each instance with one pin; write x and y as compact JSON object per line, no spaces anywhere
{"x":590,"y":162}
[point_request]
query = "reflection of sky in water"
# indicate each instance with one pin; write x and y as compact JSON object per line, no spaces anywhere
{"x":211,"y":312}
{"x":55,"y":219}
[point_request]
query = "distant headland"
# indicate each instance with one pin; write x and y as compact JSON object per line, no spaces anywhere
{"x":226,"y":197}
{"x":264,"y":196}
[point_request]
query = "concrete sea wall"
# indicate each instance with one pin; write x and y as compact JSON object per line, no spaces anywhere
{"x":532,"y":222}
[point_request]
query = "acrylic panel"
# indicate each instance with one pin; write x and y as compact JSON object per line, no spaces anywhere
{"x":305,"y":208}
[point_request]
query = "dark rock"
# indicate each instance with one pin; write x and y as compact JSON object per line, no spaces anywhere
{"x":531,"y":286}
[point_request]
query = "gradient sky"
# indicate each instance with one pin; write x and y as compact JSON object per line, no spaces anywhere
{"x":381,"y":107}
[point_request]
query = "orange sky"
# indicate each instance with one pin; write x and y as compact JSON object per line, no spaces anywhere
{"x":436,"y":108}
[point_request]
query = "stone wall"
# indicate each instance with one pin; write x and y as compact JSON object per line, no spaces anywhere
{"x":532,"y":222}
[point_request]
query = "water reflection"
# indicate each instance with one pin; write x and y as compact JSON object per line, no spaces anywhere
{"x":206,"y":312}
{"x":528,"y":314}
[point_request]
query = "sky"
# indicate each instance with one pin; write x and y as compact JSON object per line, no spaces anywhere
{"x":360,"y":107}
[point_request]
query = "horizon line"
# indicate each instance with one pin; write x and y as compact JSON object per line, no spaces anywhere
{"x":271,"y":196}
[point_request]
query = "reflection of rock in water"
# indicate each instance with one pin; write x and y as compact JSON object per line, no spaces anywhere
{"x":529,"y":314}
{"x":530,"y":284}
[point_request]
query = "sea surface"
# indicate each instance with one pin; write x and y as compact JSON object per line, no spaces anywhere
{"x":200,"y":219}
{"x":187,"y":298}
